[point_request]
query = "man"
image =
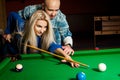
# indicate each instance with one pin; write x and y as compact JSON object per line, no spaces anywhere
{"x":58,"y":20}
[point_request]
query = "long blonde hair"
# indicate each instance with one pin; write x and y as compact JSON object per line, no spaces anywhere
{"x":29,"y":35}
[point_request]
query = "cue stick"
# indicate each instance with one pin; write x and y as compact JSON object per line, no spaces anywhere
{"x":57,"y":55}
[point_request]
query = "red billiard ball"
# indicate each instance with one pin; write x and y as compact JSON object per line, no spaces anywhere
{"x":97,"y":48}
{"x":19,"y":67}
{"x":81,"y":76}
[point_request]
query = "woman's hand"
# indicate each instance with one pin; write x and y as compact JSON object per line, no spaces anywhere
{"x":73,"y":64}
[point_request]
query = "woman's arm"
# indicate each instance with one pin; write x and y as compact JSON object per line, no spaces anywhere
{"x":61,"y":52}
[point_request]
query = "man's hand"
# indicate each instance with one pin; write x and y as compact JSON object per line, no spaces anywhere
{"x":68,"y":50}
{"x":7,"y":37}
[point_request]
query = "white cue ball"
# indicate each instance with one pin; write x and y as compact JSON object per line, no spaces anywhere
{"x":19,"y":66}
{"x":102,"y":67}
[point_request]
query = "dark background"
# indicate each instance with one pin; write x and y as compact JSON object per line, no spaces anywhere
{"x":80,"y":15}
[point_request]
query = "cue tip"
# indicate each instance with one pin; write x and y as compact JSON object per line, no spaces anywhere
{"x":88,"y":66}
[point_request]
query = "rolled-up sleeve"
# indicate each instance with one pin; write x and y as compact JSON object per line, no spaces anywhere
{"x":65,"y":32}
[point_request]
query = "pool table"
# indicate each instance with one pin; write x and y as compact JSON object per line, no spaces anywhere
{"x":46,"y":67}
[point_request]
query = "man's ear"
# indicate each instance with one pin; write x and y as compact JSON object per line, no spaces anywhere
{"x":43,"y":6}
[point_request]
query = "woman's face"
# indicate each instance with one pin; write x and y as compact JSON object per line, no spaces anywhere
{"x":40,"y":27}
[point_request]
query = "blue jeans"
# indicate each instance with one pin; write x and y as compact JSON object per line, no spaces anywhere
{"x":14,"y":24}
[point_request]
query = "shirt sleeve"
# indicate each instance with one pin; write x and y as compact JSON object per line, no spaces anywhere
{"x":28,"y":11}
{"x":14,"y":23}
{"x":64,"y":29}
{"x":53,"y":47}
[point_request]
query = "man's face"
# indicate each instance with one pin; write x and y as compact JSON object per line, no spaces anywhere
{"x":52,"y":8}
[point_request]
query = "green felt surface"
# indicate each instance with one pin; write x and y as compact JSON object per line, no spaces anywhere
{"x":46,"y":67}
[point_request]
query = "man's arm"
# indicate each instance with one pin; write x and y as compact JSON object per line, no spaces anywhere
{"x":65,"y":34}
{"x":28,"y":11}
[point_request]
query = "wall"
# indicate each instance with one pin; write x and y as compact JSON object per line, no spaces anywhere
{"x":79,"y":13}
{"x":15,"y":5}
{"x":2,"y":15}
{"x":72,"y":6}
{"x":80,"y":23}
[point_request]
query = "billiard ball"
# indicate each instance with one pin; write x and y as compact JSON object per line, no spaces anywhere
{"x":81,"y":76}
{"x":19,"y":67}
{"x":97,"y":48}
{"x":102,"y":67}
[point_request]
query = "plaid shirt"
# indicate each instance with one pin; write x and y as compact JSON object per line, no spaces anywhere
{"x":59,"y":23}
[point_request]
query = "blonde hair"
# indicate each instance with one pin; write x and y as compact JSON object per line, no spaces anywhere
{"x":29,"y":35}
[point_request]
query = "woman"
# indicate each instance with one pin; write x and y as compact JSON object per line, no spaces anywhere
{"x":39,"y":33}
